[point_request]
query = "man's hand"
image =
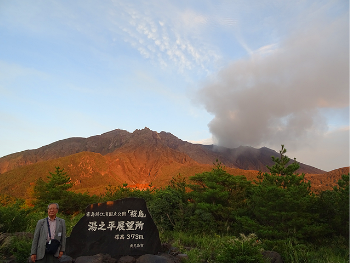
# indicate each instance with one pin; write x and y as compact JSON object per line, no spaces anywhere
{"x":60,"y":254}
{"x":33,"y":257}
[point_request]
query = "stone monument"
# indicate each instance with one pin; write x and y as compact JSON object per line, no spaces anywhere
{"x":121,"y":227}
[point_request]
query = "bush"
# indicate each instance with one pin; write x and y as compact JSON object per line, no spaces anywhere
{"x":13,"y":218}
{"x":20,"y":248}
{"x":16,"y":246}
{"x":6,"y":200}
{"x":32,"y":219}
{"x":215,"y":248}
{"x":241,"y":250}
{"x":166,"y":209}
{"x":199,"y":247}
{"x":333,"y":207}
{"x":114,"y":193}
{"x":71,"y":221}
{"x":332,"y":250}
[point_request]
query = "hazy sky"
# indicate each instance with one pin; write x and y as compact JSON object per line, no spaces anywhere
{"x":254,"y":73}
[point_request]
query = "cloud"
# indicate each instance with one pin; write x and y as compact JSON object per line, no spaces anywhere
{"x":278,"y":94}
{"x":192,"y":19}
{"x":169,"y":36}
{"x":266,"y":50}
{"x":208,"y":141}
{"x":330,"y":154}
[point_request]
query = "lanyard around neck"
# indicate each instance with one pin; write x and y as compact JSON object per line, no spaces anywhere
{"x":48,"y":226}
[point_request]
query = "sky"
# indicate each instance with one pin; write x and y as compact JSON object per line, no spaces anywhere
{"x":257,"y":73}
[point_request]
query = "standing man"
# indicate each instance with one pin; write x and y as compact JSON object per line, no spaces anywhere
{"x":41,"y":236}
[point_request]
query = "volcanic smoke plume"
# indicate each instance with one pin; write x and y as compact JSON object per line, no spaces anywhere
{"x":281,"y":97}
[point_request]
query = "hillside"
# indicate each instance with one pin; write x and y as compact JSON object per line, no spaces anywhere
{"x":243,"y":157}
{"x":92,"y":172}
{"x":326,"y":181}
{"x":140,"y":158}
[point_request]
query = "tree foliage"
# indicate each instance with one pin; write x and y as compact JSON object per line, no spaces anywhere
{"x":55,"y":190}
{"x":217,"y":197}
{"x":282,"y":204}
{"x":13,"y":217}
{"x":333,"y":207}
{"x":278,"y":206}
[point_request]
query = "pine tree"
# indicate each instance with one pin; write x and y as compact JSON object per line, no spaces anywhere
{"x":55,"y":190}
{"x":218,"y":197}
{"x":282,"y":204}
{"x":334,"y":207}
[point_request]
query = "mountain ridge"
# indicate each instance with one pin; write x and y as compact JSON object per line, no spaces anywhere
{"x":143,"y":157}
{"x":243,"y":157}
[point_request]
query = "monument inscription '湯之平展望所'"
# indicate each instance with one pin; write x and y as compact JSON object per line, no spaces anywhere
{"x":121,"y":227}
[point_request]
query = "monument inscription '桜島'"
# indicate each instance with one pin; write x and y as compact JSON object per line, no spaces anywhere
{"x":122,"y":227}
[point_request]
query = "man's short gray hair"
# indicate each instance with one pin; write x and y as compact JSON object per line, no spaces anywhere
{"x":53,"y":204}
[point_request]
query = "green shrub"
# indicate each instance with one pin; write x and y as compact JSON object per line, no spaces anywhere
{"x":199,"y":247}
{"x":71,"y":221}
{"x":333,"y":250}
{"x":6,"y":200}
{"x":214,"y":248}
{"x":333,"y":207}
{"x":241,"y":250}
{"x":13,"y":218}
{"x":32,"y":219}
{"x":166,"y":209}
{"x":20,"y":248}
{"x":16,"y":246}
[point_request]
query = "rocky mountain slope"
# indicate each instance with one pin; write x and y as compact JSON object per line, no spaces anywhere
{"x":93,"y":172}
{"x":143,"y":157}
{"x":321,"y":182}
{"x":247,"y":158}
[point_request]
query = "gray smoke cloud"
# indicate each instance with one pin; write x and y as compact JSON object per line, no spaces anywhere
{"x":280,"y":97}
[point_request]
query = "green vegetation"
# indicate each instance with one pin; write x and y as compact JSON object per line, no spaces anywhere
{"x":334,"y":207}
{"x":217,"y":198}
{"x":281,"y":205}
{"x":207,"y":248}
{"x":13,"y":218}
{"x":215,"y":217}
{"x":19,"y":247}
{"x":55,"y":191}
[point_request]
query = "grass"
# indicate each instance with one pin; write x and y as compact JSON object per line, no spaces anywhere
{"x":199,"y":248}
{"x":206,"y":248}
{"x":331,"y":251}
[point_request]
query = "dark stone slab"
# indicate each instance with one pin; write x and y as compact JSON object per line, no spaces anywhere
{"x":117,"y":228}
